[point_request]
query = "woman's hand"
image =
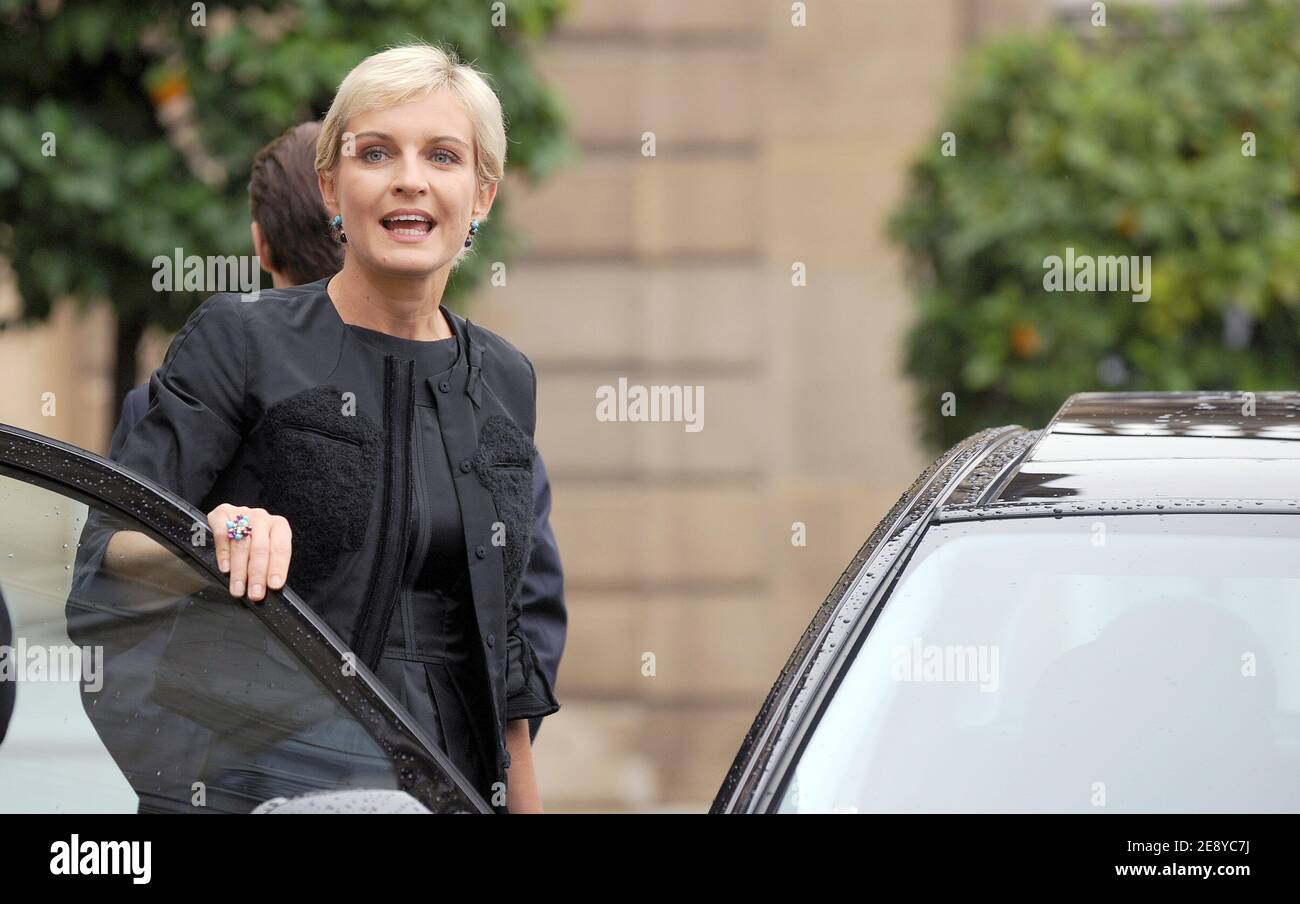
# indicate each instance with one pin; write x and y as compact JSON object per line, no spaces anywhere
{"x":258,"y":561}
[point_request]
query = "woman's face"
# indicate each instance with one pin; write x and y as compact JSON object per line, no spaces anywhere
{"x":417,"y":161}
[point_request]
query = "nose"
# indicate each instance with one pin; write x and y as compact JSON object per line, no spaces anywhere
{"x":409,"y":177}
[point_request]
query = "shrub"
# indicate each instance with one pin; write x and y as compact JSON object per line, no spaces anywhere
{"x":1132,"y":139}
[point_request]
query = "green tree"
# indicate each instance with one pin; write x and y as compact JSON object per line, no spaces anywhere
{"x":128,"y":127}
{"x":1168,"y":135}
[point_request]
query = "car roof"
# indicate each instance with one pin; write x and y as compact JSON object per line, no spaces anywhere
{"x":1239,"y":450}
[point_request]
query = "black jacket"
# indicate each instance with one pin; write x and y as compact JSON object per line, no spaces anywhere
{"x":543,"y":617}
{"x":276,"y":403}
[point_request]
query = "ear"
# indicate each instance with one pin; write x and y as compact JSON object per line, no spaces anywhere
{"x":260,"y":248}
{"x":483,"y":203}
{"x":327,"y":195}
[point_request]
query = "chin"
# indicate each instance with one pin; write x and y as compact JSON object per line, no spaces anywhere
{"x":410,"y":265}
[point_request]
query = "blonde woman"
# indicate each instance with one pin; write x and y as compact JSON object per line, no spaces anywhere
{"x":354,"y":438}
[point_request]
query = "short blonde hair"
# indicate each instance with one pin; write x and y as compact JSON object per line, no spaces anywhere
{"x":410,"y":72}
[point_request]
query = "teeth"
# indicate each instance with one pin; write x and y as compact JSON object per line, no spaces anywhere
{"x":425,"y":227}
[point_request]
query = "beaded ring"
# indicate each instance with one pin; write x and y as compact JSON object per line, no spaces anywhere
{"x":239,"y":528}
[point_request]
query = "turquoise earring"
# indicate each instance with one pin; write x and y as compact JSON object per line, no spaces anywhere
{"x":473,"y":231}
{"x":337,"y":225}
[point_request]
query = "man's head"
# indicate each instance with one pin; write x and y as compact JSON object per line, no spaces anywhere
{"x":290,"y":232}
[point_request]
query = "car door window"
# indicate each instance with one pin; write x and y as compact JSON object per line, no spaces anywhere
{"x":137,"y":683}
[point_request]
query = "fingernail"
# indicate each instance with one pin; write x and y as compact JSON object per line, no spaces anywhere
{"x":275,"y":581}
{"x":237,"y":588}
{"x":256,"y":592}
{"x":225,"y":565}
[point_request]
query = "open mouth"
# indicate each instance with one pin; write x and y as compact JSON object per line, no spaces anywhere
{"x":408,"y":224}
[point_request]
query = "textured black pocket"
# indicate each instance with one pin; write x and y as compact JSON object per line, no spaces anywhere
{"x":503,"y":463}
{"x":318,"y":468}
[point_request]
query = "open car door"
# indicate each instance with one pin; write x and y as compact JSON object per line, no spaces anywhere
{"x":135,"y":682}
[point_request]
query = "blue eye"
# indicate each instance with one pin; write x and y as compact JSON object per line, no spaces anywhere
{"x":365,"y":155}
{"x":445,"y":153}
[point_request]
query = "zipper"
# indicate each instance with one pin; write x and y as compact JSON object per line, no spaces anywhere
{"x":420,"y":538}
{"x":399,"y":414}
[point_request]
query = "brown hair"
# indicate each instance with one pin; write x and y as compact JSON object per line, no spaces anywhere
{"x":285,"y":200}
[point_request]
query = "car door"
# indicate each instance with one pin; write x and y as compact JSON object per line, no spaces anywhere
{"x":136,"y":683}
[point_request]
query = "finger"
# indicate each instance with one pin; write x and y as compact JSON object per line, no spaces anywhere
{"x":239,"y":556}
{"x":259,"y":556}
{"x":281,"y":552}
{"x":217,"y":524}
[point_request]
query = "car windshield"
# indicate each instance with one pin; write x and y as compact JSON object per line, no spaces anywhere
{"x":1092,"y":664}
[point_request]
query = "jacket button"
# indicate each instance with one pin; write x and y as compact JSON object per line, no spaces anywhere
{"x":491,"y":639}
{"x":467,"y":466}
{"x":481,"y":552}
{"x":444,"y":386}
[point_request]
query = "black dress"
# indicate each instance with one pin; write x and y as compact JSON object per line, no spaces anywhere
{"x":429,"y":660}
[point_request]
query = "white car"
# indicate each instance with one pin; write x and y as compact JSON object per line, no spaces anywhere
{"x":1101,"y":616}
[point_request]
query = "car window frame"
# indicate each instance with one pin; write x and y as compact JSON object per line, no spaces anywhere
{"x":89,"y":478}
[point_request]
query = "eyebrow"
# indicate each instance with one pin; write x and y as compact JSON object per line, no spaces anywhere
{"x":452,"y":139}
